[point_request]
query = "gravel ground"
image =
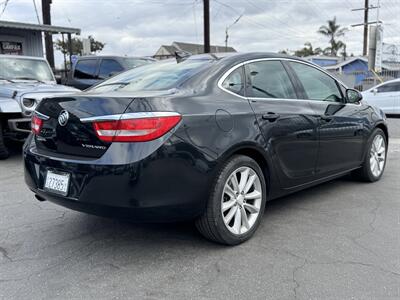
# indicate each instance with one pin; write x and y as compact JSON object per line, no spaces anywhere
{"x":340,"y":240}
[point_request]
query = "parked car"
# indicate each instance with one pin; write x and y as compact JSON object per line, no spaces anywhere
{"x":24,"y":81}
{"x":386,"y":96}
{"x":90,"y":70}
{"x":211,"y":138}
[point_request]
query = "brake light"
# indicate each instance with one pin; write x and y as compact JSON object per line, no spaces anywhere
{"x":36,"y":124}
{"x":135,"y":129}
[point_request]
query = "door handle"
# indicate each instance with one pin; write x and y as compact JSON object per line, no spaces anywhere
{"x":270,"y":116}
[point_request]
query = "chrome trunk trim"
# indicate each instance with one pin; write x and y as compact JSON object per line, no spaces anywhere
{"x":137,"y":115}
{"x":41,"y":116}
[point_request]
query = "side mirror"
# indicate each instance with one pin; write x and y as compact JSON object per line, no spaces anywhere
{"x":353,"y":96}
{"x":375,"y":91}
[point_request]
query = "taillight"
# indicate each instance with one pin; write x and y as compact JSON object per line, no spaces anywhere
{"x":36,"y":124}
{"x":136,"y":129}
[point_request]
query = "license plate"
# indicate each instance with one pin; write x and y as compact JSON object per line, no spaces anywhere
{"x":57,"y":182}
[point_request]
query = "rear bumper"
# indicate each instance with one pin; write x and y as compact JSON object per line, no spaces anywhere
{"x":165,"y":212}
{"x":169,"y":184}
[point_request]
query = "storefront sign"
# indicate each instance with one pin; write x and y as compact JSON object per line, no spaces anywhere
{"x":12,"y":48}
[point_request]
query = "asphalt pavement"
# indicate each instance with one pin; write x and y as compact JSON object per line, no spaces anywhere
{"x":340,"y":240}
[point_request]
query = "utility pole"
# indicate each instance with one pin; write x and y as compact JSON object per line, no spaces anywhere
{"x":365,"y":44}
{"x":206,"y":15}
{"x":227,"y":29}
{"x":48,"y":39}
{"x":366,"y":9}
{"x":377,"y":12}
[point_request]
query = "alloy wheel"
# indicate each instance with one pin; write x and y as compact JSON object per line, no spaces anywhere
{"x":241,"y":200}
{"x":377,"y":155}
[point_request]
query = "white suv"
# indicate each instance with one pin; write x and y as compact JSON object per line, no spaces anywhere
{"x":386,"y":96}
{"x":24,"y":82}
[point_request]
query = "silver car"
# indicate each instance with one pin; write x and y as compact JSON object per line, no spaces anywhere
{"x":24,"y":82}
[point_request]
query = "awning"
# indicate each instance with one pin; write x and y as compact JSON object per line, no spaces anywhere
{"x":38,"y":27}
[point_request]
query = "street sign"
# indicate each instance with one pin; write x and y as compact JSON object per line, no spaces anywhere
{"x":74,"y":59}
{"x":86,"y":47}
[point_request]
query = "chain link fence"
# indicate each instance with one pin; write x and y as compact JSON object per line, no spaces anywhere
{"x":363,"y":80}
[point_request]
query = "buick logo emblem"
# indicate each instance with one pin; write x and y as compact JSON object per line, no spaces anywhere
{"x":63,"y":118}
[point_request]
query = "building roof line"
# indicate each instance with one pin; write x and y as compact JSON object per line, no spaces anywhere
{"x":39,"y":27}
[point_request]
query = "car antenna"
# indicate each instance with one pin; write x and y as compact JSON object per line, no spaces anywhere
{"x":181,"y":56}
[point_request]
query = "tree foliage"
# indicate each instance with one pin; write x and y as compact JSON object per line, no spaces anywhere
{"x":333,"y":31}
{"x":308,"y":50}
{"x":77,"y":45}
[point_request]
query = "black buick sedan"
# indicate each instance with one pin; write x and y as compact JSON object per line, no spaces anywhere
{"x":209,"y":138}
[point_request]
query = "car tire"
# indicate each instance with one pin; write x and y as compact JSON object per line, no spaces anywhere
{"x":373,"y":157}
{"x":219,"y":223}
{"x":3,"y":149}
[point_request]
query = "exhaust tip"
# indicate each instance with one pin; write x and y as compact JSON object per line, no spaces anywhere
{"x":41,"y":199}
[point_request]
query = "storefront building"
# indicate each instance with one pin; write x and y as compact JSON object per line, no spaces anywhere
{"x":26,"y":39}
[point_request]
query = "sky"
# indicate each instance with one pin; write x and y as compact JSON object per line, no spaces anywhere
{"x":139,"y":27}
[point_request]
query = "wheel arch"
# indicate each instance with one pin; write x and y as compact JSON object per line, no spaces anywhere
{"x":255,"y":152}
{"x":385,"y":130}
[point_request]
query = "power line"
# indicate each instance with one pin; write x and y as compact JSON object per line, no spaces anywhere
{"x":36,"y":11}
{"x":289,"y":27}
{"x":320,"y":12}
{"x":279,"y":34}
{"x":195,"y":21}
{"x":4,"y":8}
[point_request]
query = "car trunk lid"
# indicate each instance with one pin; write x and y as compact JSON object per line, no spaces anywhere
{"x":62,"y":130}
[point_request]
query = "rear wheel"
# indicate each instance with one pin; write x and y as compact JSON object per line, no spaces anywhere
{"x":375,"y":160}
{"x":3,"y":149}
{"x":236,"y":204}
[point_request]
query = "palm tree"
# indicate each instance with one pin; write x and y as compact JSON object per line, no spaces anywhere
{"x":308,"y":50}
{"x":333,"y":31}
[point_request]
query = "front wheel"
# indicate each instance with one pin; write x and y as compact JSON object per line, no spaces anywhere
{"x":236,"y":204}
{"x":375,"y":159}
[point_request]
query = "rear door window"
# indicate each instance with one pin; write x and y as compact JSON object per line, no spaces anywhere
{"x":109,"y":67}
{"x":317,"y":85}
{"x":235,"y":82}
{"x":86,"y":69}
{"x":389,"y":87}
{"x":396,"y":87}
{"x":269,"y":79}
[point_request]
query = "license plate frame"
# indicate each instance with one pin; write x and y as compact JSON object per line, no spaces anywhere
{"x":57,"y":175}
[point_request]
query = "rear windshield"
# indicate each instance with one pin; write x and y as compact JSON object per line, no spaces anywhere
{"x":162,"y":75}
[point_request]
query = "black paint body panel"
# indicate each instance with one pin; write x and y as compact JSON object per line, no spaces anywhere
{"x":170,"y":178}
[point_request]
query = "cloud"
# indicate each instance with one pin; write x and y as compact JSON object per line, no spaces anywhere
{"x":139,"y":27}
